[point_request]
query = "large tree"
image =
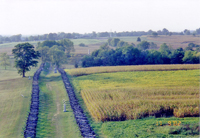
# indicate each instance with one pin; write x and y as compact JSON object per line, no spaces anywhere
{"x":57,"y":55}
{"x":25,"y":56}
{"x":4,"y":58}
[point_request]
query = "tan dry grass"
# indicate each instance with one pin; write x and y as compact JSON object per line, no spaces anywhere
{"x":92,"y":70}
{"x":175,"y":41}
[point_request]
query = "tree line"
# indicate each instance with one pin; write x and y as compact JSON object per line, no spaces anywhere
{"x":63,"y":35}
{"x":141,"y":54}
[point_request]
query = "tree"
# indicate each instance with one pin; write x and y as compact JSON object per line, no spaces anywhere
{"x":198,"y":31}
{"x":122,"y":43}
{"x":138,"y":39}
{"x":24,"y":55}
{"x":44,"y":52}
{"x":165,"y":31}
{"x":164,"y":49}
{"x":176,"y":56}
{"x":191,"y":57}
{"x":114,"y":41}
{"x":4,"y":58}
{"x":154,"y":34}
{"x":57,"y":56}
{"x":67,"y":45}
{"x":143,"y":45}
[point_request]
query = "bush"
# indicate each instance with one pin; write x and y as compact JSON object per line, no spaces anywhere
{"x":83,"y":45}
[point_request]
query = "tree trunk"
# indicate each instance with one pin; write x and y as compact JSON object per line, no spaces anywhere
{"x":23,"y":73}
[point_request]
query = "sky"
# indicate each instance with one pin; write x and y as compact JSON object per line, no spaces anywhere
{"x":28,"y":17}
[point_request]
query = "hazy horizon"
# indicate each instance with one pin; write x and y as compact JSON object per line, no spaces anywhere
{"x":34,"y":17}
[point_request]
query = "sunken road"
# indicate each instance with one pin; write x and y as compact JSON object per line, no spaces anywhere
{"x":81,"y":119}
{"x":30,"y":129}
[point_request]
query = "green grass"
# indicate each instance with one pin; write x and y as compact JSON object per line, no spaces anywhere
{"x":13,"y":107}
{"x":88,"y":41}
{"x":12,"y":44}
{"x":53,"y":122}
{"x":148,"y":128}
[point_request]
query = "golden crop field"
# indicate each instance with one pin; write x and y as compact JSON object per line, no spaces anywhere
{"x":132,"y":95}
{"x":92,"y":70}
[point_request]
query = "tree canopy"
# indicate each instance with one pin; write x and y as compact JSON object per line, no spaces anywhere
{"x":25,"y":57}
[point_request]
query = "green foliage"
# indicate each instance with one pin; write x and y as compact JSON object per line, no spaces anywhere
{"x":113,"y":41}
{"x":143,"y":45}
{"x":57,"y":56}
{"x":165,"y":49}
{"x":154,"y":34}
{"x":138,"y":39}
{"x":191,"y":57}
{"x":4,"y":60}
{"x":44,"y":52}
{"x":68,"y":46}
{"x":153,"y":45}
{"x":25,"y":56}
{"x":177,"y":56}
{"x":65,"y":45}
{"x":122,"y":43}
{"x":82,"y":45}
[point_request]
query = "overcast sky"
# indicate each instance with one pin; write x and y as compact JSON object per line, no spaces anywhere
{"x":84,"y":16}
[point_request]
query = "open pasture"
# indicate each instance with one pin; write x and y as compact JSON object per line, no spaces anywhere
{"x":133,"y":95}
{"x":15,"y":94}
{"x":7,"y":47}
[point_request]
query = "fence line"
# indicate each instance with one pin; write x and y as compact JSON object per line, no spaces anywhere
{"x":81,"y":119}
{"x":31,"y":123}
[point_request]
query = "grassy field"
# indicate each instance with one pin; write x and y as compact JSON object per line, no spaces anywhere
{"x":53,"y":122}
{"x":132,"y":95}
{"x":13,"y":107}
{"x":7,"y":47}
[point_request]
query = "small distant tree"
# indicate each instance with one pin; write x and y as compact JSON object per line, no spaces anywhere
{"x":82,"y":45}
{"x":4,"y":58}
{"x":24,"y":55}
{"x":138,"y":39}
{"x":114,"y":41}
{"x":143,"y":45}
{"x":154,"y":34}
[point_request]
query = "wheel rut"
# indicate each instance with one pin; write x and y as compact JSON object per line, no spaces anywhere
{"x":81,"y":119}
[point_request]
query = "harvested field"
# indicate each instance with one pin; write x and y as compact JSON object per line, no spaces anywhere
{"x":175,"y":41}
{"x":132,"y":95}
